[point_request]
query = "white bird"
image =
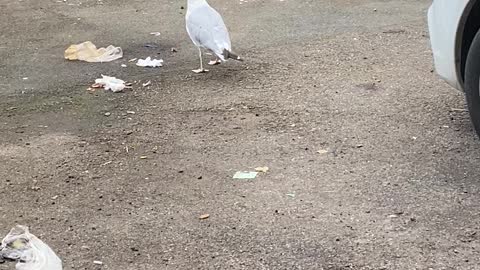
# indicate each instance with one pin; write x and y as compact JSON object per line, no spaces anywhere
{"x":207,"y":30}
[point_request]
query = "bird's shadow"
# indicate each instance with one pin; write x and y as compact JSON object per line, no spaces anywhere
{"x":226,"y":73}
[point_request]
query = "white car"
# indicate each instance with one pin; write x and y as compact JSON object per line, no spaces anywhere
{"x":455,"y":38}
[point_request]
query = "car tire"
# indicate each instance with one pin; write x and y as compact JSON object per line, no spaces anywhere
{"x":472,"y":82}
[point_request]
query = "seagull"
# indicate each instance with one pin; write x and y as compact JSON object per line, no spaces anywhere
{"x":207,"y":30}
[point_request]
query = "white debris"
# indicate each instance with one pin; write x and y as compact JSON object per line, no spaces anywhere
{"x":147,"y":83}
{"x":111,"y":83}
{"x":155,"y":34}
{"x":149,"y":62}
{"x":28,"y":251}
{"x":98,"y":262}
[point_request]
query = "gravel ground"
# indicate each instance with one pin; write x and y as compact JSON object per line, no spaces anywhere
{"x":371,"y":157}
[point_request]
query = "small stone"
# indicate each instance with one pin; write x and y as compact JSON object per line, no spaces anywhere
{"x":262,"y":169}
{"x":204,"y":216}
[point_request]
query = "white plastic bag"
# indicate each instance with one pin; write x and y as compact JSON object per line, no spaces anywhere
{"x":28,"y":251}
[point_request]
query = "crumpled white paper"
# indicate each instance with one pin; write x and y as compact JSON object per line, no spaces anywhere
{"x":111,"y":83}
{"x":149,"y":62}
{"x":28,"y":251}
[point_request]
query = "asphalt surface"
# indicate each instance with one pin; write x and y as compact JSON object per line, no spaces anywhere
{"x":373,"y":163}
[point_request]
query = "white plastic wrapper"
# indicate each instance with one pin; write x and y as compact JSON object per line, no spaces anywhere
{"x":28,"y":251}
{"x":111,"y":83}
{"x":149,"y":62}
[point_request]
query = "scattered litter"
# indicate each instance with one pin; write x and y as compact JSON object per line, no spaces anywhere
{"x":142,"y":157}
{"x":458,"y":110}
{"x":245,"y":175}
{"x":25,"y":78}
{"x":399,"y":31}
{"x":55,"y":197}
{"x":107,"y":114}
{"x":98,"y":262}
{"x":133,"y":60}
{"x":130,"y":112}
{"x":87,"y":51}
{"x":153,"y":46}
{"x":147,"y":84}
{"x":28,"y":251}
{"x":262,"y":169}
{"x":106,"y":163}
{"x":110,"y":83}
{"x":149,"y":62}
{"x":174,"y":50}
{"x":123,"y":65}
{"x":322,"y":151}
{"x":204,"y":216}
{"x":155,"y":34}
{"x":291,"y":195}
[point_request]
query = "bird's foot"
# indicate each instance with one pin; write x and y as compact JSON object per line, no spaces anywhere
{"x":215,"y":62}
{"x":200,"y":70}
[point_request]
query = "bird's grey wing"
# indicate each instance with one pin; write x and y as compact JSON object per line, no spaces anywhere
{"x":206,"y":27}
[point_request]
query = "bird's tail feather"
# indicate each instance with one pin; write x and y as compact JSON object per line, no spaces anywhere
{"x":229,"y":55}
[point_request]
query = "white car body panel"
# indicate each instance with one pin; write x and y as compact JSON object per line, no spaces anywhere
{"x":444,"y":17}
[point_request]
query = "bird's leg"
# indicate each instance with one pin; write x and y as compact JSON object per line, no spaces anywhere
{"x":215,"y":62}
{"x":201,"y":70}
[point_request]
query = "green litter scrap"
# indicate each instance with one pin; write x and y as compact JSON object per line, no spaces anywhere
{"x":245,"y":175}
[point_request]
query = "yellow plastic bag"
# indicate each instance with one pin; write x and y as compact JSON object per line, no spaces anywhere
{"x":87,"y":51}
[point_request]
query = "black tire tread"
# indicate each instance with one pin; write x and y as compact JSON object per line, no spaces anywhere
{"x":472,"y":80}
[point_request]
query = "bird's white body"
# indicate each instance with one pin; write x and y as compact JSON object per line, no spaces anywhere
{"x":206,"y":28}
